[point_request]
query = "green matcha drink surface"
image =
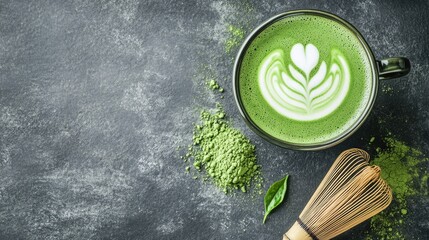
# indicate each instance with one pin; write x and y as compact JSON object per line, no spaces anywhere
{"x":325,"y":35}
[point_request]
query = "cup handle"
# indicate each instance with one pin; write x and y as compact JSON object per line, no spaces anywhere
{"x":393,"y":67}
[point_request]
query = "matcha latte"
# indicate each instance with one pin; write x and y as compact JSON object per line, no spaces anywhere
{"x":305,"y":79}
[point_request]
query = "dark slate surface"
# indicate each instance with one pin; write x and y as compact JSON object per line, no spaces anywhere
{"x":96,"y":95}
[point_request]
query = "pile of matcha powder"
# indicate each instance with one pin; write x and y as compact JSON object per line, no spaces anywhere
{"x":224,"y":153}
{"x":405,"y":170}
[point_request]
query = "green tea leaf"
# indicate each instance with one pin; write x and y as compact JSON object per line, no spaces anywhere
{"x":275,"y":195}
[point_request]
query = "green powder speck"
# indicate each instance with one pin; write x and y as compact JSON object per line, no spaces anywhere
{"x":213,"y":85}
{"x":400,"y":167}
{"x":235,"y":36}
{"x":387,"y":89}
{"x":223,"y":153}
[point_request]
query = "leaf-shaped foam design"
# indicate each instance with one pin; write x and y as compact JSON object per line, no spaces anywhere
{"x":297,"y":75}
{"x":272,"y":76}
{"x":318,"y":78}
{"x":305,"y":58}
{"x":293,"y":91}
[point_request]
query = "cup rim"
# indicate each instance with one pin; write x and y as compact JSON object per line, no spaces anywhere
{"x":304,"y":146}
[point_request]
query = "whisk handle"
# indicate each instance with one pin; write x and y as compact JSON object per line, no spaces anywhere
{"x":296,"y":232}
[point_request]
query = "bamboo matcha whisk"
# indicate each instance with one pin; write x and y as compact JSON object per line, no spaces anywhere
{"x":351,"y":192}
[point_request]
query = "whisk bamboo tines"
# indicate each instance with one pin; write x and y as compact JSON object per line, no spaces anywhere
{"x":351,"y":192}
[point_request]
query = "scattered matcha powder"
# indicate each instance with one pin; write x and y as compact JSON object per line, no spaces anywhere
{"x":387,"y":89}
{"x":236,"y":35}
{"x":402,"y":167}
{"x":213,"y":85}
{"x":224,"y":153}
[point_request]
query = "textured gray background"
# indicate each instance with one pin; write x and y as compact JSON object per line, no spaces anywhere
{"x":96,"y":95}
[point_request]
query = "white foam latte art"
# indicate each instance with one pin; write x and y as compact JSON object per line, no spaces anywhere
{"x":294,"y":92}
